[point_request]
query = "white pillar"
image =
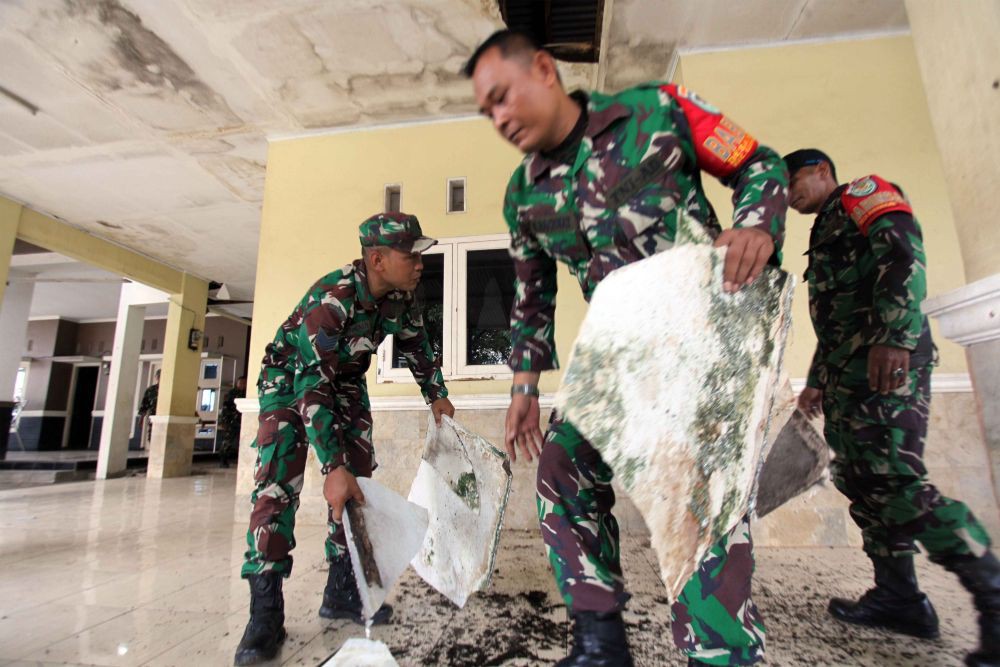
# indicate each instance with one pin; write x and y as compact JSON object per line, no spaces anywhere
{"x":13,"y":328}
{"x":112,"y":458}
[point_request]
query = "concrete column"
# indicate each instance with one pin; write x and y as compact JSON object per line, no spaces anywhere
{"x":112,"y":458}
{"x":172,"y":439}
{"x":958,"y":52}
{"x":13,"y":326}
{"x":119,"y":406}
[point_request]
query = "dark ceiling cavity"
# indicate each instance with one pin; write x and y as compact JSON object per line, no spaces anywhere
{"x":570,"y":29}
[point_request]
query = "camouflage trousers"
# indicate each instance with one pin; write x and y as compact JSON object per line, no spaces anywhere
{"x":714,"y":618}
{"x":878,"y":442}
{"x":282,"y":448}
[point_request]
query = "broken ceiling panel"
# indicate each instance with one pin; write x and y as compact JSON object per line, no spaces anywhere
{"x":685,"y":379}
{"x":357,"y":652}
{"x":118,"y":57}
{"x":464,"y":483}
{"x":383,"y":535}
{"x":797,"y":460}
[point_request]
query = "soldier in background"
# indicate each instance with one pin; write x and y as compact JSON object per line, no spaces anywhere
{"x":147,"y":407}
{"x":312,"y":390}
{"x":230,"y":421}
{"x":599,"y":188}
{"x":871,"y":378}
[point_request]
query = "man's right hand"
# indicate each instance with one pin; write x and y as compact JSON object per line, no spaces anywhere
{"x":811,"y":401}
{"x":339,"y":487}
{"x":521,"y":427}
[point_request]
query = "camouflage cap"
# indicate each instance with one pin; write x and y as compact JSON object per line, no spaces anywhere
{"x":395,"y":230}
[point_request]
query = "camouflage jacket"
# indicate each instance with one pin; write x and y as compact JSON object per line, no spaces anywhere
{"x":147,"y":406}
{"x":332,"y":334}
{"x":230,"y":418}
{"x":638,"y":164}
{"x":867,"y":278}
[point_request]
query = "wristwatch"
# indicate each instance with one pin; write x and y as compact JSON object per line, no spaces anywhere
{"x":526,"y":389}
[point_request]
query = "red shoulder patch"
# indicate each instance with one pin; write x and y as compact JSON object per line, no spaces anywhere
{"x":721,"y":145}
{"x":869,"y":198}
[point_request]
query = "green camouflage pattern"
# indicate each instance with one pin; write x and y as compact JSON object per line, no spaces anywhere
{"x":147,"y":406}
{"x":636,"y":169}
{"x":312,"y":390}
{"x":395,"y":230}
{"x":714,"y":617}
{"x":867,"y":289}
{"x":878,"y":442}
{"x":230,"y":422}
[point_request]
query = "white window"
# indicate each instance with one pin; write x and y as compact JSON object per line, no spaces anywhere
{"x":466,"y":290}
{"x":456,"y":195}
{"x":393,"y":198}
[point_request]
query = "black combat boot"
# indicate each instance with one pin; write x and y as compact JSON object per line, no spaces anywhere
{"x":981,"y":577}
{"x":266,"y":629}
{"x":598,"y":641}
{"x":341,"y":599}
{"x":895,"y":603}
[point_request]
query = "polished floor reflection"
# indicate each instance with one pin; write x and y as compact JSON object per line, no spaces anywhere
{"x":137,"y":572}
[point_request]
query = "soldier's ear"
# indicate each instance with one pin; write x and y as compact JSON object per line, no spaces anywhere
{"x":545,"y":65}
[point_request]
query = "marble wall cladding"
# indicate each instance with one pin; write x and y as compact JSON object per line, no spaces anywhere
{"x":957,"y":464}
{"x":956,"y":458}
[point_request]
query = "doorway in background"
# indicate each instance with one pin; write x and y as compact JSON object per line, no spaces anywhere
{"x":81,"y":406}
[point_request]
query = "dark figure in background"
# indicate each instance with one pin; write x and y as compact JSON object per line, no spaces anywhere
{"x":230,"y":421}
{"x":147,"y":408}
{"x":871,"y":378}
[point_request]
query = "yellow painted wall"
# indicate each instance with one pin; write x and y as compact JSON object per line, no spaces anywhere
{"x":10,"y":216}
{"x":319,"y":189}
{"x":863,"y":103}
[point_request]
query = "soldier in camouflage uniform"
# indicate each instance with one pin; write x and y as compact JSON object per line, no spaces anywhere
{"x":312,"y":390}
{"x":601,"y":185}
{"x":230,"y":421}
{"x":147,"y":408}
{"x":870,"y":376}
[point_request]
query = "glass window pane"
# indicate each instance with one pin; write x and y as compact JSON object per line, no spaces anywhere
{"x":456,"y":197}
{"x":430,"y":294}
{"x":489,"y":298}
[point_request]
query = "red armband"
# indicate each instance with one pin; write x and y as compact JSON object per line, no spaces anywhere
{"x":721,"y":145}
{"x":869,"y":198}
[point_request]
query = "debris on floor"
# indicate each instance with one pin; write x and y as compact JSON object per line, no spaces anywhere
{"x":362,"y":653}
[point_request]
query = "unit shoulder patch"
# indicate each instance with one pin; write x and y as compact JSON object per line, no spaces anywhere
{"x":721,"y":145}
{"x":869,"y":198}
{"x":862,"y":187}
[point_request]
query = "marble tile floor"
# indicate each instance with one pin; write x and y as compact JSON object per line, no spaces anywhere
{"x":144,"y":572}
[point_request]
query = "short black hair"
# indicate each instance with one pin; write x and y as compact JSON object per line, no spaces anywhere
{"x":509,"y":42}
{"x":808,"y":157}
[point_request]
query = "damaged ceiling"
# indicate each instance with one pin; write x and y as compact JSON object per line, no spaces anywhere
{"x":146,"y":121}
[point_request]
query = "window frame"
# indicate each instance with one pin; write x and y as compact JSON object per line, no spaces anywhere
{"x":384,"y":372}
{"x":460,"y":368}
{"x":453,"y":344}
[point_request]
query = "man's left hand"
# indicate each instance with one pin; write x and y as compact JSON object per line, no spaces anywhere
{"x":442,"y":406}
{"x":888,"y":368}
{"x":748,"y":252}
